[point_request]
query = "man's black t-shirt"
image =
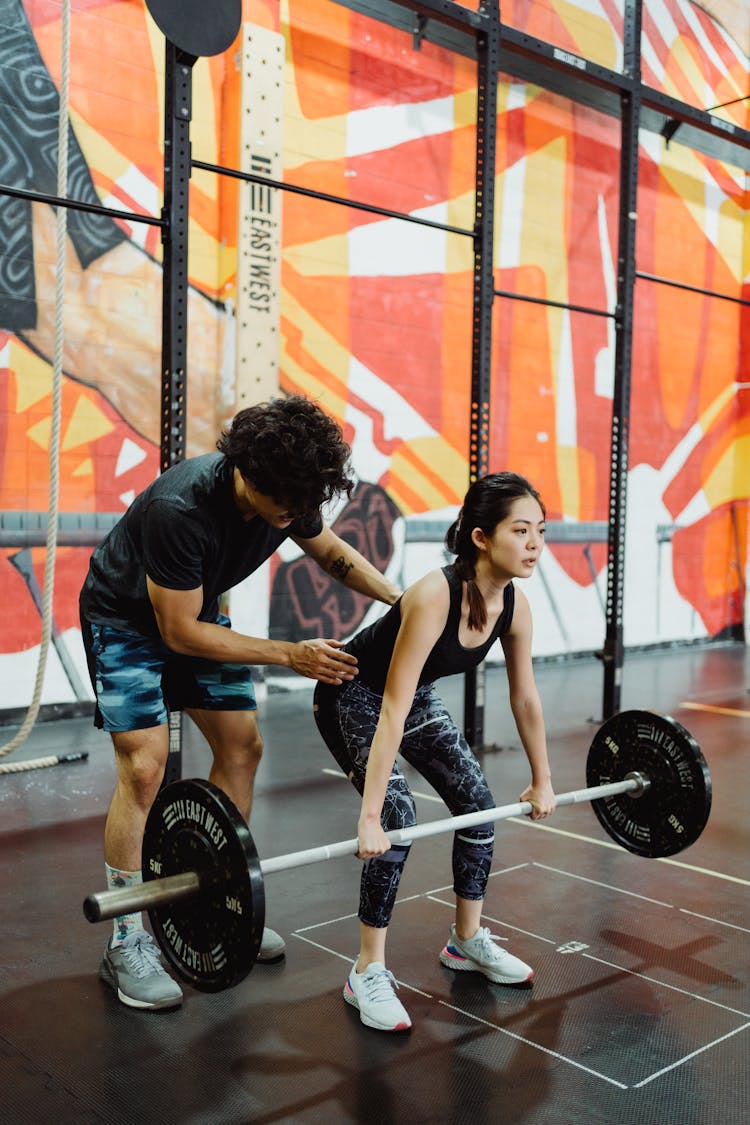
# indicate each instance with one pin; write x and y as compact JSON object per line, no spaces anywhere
{"x":183,"y":531}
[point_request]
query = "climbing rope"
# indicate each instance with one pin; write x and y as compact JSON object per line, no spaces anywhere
{"x":54,"y":445}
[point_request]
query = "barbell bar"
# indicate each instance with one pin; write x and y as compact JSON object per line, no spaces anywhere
{"x":176,"y":888}
{"x":204,"y":884}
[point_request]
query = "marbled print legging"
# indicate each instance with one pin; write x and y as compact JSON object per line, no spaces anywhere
{"x":433,"y":745}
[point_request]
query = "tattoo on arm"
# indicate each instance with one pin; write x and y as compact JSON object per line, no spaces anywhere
{"x":340,"y":568}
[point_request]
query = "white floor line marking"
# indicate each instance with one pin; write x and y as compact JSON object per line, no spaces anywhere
{"x":536,"y":1046}
{"x":497,"y":921}
{"x":475,"y":1019}
{"x":328,"y":922}
{"x":705,"y":871}
{"x":350,"y":961}
{"x":714,"y":709}
{"x":587,"y":839}
{"x":692,"y":1055}
{"x":348,"y":917}
{"x":608,"y":844}
{"x":663,"y":984}
{"x":717,"y":921}
{"x":493,"y":875}
{"x":608,"y":886}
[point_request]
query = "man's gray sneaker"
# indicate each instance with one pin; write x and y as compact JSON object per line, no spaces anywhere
{"x":272,"y":947}
{"x":134,"y":970}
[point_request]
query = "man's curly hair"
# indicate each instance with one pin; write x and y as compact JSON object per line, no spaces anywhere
{"x":290,"y":450}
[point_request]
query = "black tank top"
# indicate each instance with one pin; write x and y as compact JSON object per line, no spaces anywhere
{"x":373,"y":646}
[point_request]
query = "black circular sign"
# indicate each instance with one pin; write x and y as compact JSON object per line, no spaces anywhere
{"x":198,"y":27}
{"x":211,"y":940}
{"x":674,"y":809}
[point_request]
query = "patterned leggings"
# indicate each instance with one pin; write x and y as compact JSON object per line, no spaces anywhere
{"x":347,"y":717}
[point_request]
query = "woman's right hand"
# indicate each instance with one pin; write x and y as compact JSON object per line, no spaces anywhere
{"x":371,"y":839}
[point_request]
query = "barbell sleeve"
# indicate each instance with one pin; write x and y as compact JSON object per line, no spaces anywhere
{"x":142,"y":896}
{"x":188,"y":884}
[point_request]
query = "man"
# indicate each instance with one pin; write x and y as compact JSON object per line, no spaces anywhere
{"x":156,"y":641}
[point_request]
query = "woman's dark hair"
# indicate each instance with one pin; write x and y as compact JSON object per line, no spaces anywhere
{"x":290,"y":450}
{"x":486,"y":504}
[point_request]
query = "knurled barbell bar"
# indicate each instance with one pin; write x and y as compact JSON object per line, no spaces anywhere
{"x":648,"y":783}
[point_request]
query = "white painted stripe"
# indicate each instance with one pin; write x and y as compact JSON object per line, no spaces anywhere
{"x":383,"y":127}
{"x":692,"y":1055}
{"x":510,"y":214}
{"x":607,"y":844}
{"x":716,"y":921}
{"x":663,"y":984}
{"x":608,"y":886}
{"x":349,"y":961}
{"x":498,"y":921}
{"x":493,"y":875}
{"x":697,"y":28}
{"x":536,"y":1046}
{"x":396,"y":248}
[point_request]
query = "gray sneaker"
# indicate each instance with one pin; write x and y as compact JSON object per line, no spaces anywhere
{"x":135,"y":972}
{"x":272,"y":947}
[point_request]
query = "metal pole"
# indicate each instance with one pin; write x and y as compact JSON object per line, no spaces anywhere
{"x":613,"y":650}
{"x":488,"y":63}
{"x":178,"y":86}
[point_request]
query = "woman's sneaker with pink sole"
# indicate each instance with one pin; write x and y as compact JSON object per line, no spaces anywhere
{"x":481,"y":954}
{"x":373,"y":993}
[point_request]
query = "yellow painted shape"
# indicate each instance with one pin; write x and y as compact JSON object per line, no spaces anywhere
{"x":544,"y":220}
{"x":683,"y":169}
{"x":40,"y":433}
{"x":85,"y":469}
{"x":459,"y":249}
{"x":465,"y":108}
{"x":100,"y":153}
{"x":709,"y":415}
{"x":569,"y":481}
{"x":593,"y":36}
{"x":730,"y":478}
{"x":204,"y":136}
{"x":87,"y":423}
{"x":33,"y":377}
{"x":682,"y":61}
{"x":440,"y":459}
{"x":306,"y":140}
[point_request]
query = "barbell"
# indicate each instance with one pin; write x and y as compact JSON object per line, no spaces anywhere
{"x":203,"y":885}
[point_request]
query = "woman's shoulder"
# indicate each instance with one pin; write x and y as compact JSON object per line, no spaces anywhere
{"x":430,"y":588}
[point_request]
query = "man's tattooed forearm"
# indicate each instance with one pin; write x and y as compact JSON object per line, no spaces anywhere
{"x":340,"y":568}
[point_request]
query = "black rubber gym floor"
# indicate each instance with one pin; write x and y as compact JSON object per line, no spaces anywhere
{"x":640,"y":1007}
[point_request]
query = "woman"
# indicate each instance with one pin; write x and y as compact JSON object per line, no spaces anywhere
{"x":443,"y":624}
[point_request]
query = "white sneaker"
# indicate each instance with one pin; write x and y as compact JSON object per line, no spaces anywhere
{"x":480,"y":954}
{"x":272,"y":947}
{"x":372,"y":992}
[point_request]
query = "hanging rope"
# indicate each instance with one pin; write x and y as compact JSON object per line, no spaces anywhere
{"x":54,"y":444}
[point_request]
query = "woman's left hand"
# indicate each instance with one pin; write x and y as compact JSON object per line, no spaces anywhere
{"x":542,"y":797}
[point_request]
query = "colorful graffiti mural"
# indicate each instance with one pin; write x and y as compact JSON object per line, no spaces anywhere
{"x":374,"y":315}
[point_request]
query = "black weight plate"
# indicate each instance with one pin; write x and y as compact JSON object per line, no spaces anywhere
{"x":211,"y":940}
{"x":197,"y":26}
{"x":673,"y":811}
